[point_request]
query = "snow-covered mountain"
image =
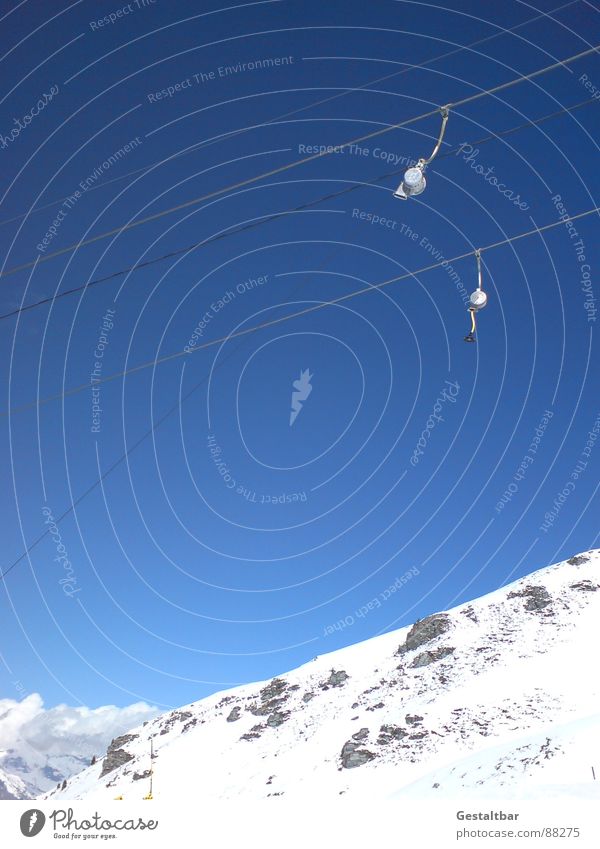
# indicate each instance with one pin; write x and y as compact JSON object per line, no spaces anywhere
{"x":12,"y":787}
{"x":25,"y":777}
{"x":499,"y":697}
{"x":40,"y":747}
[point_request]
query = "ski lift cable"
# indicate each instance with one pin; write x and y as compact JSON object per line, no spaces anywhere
{"x":271,"y":322}
{"x":160,"y":420}
{"x":269,"y":218}
{"x":280,"y":169}
{"x":234,"y":133}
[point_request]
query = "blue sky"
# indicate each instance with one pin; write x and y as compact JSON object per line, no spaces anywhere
{"x":228,"y":544}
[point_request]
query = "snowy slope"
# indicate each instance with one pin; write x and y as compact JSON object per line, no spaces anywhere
{"x":12,"y":787}
{"x":499,"y":697}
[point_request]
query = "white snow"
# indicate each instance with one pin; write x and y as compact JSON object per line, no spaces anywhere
{"x":513,"y":712}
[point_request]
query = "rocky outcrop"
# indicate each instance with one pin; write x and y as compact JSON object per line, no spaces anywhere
{"x":277,"y":718}
{"x":427,"y":657}
{"x":578,"y":560}
{"x":266,"y":708}
{"x":361,"y":735}
{"x":389,"y":733}
{"x":116,"y":755}
{"x":272,"y":697}
{"x":425,"y":630}
{"x":470,"y":614}
{"x":537,"y":598}
{"x":273,"y":690}
{"x":336,"y":679}
{"x":353,"y":756}
{"x":586,"y":586}
{"x":235,"y":714}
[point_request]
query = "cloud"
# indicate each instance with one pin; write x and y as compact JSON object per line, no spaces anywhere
{"x":64,"y":730}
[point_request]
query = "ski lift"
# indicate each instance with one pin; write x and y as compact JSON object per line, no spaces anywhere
{"x":150,"y":796}
{"x":414,"y":182}
{"x":477,"y":301}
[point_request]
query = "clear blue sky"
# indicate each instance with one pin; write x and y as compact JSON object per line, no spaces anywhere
{"x":176,"y":583}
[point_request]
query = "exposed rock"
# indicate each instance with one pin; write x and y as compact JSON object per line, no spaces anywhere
{"x":266,"y":708}
{"x":307,"y":697}
{"x":427,"y":657}
{"x":470,"y":613}
{"x":425,"y":630}
{"x":336,"y":679}
{"x":273,"y":690}
{"x":361,"y":735}
{"x":537,"y":597}
{"x":180,"y":715}
{"x":412,"y":720}
{"x":578,"y":560}
{"x":377,"y":706}
{"x":585,"y":585}
{"x":272,"y":697}
{"x":389,"y":733}
{"x":116,"y":755}
{"x":353,"y":756}
{"x":277,"y":718}
{"x":250,"y":735}
{"x":137,"y":775}
{"x":235,"y":714}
